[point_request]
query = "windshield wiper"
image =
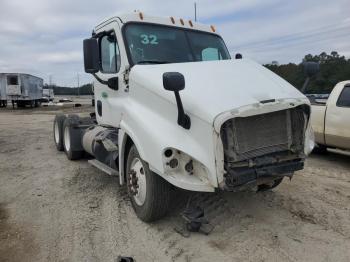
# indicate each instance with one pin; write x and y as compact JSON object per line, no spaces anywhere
{"x":152,"y":62}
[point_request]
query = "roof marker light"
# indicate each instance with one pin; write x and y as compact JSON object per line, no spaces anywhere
{"x":212,"y":28}
{"x":141,"y":15}
{"x":172,"y":20}
{"x":190,"y":22}
{"x":182,"y":21}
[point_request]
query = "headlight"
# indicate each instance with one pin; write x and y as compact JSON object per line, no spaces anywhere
{"x":309,"y":142}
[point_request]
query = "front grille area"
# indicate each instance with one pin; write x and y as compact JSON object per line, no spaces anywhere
{"x":250,"y":137}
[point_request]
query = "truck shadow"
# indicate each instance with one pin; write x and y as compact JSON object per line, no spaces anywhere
{"x":332,"y":157}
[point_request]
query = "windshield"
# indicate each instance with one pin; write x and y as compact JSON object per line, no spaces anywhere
{"x":157,"y":44}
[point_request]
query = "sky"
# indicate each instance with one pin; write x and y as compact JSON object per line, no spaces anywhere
{"x":44,"y":37}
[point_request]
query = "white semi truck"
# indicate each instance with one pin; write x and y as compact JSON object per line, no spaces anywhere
{"x":48,"y":95}
{"x":172,"y":109}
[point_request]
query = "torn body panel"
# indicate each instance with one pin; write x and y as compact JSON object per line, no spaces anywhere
{"x":261,"y":147}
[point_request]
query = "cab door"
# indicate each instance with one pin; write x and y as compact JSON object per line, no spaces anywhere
{"x":337,"y":124}
{"x":110,"y":99}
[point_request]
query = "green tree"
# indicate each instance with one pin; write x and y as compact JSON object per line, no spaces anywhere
{"x":333,"y":69}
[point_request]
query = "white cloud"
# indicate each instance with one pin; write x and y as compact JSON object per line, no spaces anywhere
{"x":61,"y":57}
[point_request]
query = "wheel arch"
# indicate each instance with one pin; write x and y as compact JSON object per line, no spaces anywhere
{"x":125,"y":142}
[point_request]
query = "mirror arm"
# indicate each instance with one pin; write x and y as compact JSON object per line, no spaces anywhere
{"x":183,"y":119}
{"x":100,"y":80}
{"x":306,"y":83}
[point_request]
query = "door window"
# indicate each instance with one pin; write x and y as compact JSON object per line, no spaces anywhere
{"x":110,"y":55}
{"x":12,"y":80}
{"x":344,"y":98}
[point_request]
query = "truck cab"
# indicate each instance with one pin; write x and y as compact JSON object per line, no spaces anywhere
{"x":174,"y":110}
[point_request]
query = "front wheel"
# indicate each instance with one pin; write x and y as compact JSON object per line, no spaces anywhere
{"x":320,"y":149}
{"x":272,"y":185}
{"x":149,"y":193}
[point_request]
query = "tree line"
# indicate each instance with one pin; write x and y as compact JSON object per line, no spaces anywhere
{"x":333,"y":69}
{"x":63,"y":90}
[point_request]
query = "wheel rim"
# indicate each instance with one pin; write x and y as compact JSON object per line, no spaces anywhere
{"x":66,"y":139}
{"x":137,"y":181}
{"x":57,"y":134}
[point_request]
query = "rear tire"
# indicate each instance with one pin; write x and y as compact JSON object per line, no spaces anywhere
{"x":69,"y":138}
{"x":58,"y":131}
{"x":152,"y":198}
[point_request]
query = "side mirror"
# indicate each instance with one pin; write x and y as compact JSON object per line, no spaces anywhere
{"x":91,"y":56}
{"x":174,"y":81}
{"x":311,"y":68}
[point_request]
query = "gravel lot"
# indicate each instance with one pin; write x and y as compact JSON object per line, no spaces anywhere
{"x":52,"y":209}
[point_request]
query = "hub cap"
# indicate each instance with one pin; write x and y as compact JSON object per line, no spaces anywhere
{"x":137,"y":181}
{"x":57,"y":133}
{"x":67,"y":138}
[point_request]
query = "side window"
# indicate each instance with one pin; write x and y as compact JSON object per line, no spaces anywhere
{"x":110,"y":55}
{"x":344,"y":97}
{"x":209,"y":54}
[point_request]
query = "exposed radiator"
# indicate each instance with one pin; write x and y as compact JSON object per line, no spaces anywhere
{"x":249,"y":137}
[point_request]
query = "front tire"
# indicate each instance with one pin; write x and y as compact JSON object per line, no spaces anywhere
{"x":149,"y":193}
{"x":320,"y":149}
{"x":267,"y":187}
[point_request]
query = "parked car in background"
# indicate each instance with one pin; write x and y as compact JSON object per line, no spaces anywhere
{"x":330,"y":119}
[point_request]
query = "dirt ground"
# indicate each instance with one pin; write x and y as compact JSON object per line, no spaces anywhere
{"x":52,"y":209}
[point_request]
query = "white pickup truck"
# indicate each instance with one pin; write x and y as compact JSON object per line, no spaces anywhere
{"x":172,"y":109}
{"x":331,"y":120}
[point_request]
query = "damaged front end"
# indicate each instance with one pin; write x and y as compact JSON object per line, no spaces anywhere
{"x":262,"y":149}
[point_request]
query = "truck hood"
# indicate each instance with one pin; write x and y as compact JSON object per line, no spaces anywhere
{"x":215,"y":87}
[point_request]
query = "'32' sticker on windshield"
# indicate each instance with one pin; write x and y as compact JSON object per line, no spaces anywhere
{"x":149,"y":39}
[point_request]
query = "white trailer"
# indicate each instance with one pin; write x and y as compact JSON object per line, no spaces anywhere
{"x":3,"y":95}
{"x":235,"y":125}
{"x":48,"y":95}
{"x":23,"y":89}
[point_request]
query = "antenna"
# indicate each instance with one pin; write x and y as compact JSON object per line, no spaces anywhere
{"x":195,"y":11}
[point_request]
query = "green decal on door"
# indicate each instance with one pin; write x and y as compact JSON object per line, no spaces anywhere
{"x":104,"y":95}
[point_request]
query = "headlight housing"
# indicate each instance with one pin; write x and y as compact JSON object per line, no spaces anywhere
{"x":178,"y":162}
